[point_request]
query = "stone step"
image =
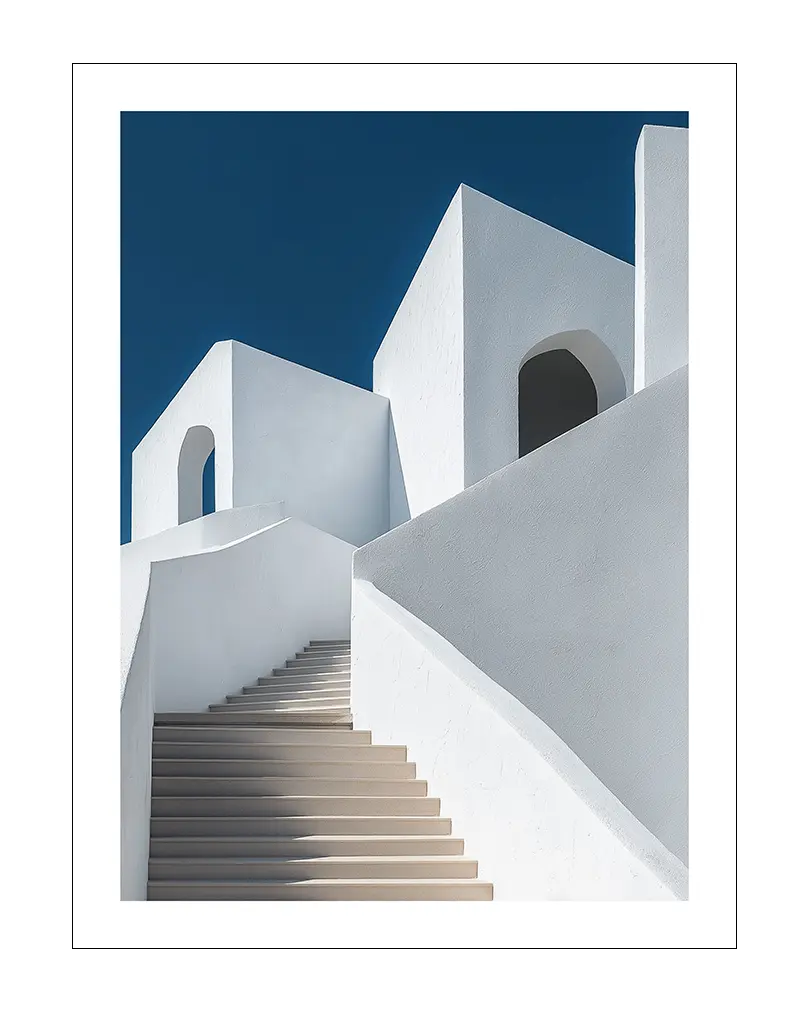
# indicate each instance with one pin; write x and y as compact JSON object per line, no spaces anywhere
{"x":258,"y":705}
{"x":315,"y":868}
{"x":329,"y":641}
{"x":298,"y":676}
{"x":320,"y":890}
{"x":288,"y":696}
{"x":300,"y":673}
{"x":261,"y":735}
{"x":370,"y":753}
{"x":296,"y":690}
{"x":301,"y":679}
{"x":274,"y":785}
{"x":279,"y":692}
{"x":319,"y":659}
{"x":227,"y":717}
{"x":323,"y":652}
{"x":313,"y":663}
{"x":295,"y":806}
{"x":227,"y":768}
{"x":271,"y":795}
{"x":306,"y":665}
{"x":309,"y":846}
{"x":299,"y":825}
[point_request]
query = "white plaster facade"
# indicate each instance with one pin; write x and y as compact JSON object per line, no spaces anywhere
{"x":662,"y":252}
{"x":518,"y":623}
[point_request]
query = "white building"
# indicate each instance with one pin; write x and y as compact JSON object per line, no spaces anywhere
{"x":500,"y":531}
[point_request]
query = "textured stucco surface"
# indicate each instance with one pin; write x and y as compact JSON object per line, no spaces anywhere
{"x":317,"y":444}
{"x":564,"y":578}
{"x":420,"y":368}
{"x":662,"y":252}
{"x":230,"y":614}
{"x":541,"y":826}
{"x":528,"y":288}
{"x":209,"y":531}
{"x":204,"y":399}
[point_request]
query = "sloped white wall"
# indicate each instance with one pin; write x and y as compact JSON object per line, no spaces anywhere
{"x":136,"y":752}
{"x":188,"y":538}
{"x":541,"y":826}
{"x":662,"y":252}
{"x":204,"y":399}
{"x":317,"y":444}
{"x":419,"y":366}
{"x":524,"y":284}
{"x":563,"y":577}
{"x":226,"y":616}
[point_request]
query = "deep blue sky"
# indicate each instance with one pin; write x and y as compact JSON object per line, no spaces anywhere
{"x":299,"y":232}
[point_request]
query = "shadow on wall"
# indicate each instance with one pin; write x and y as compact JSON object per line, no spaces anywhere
{"x":398,"y":498}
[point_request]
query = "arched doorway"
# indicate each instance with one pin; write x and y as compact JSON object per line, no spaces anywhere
{"x":197,"y":447}
{"x":556,"y":393}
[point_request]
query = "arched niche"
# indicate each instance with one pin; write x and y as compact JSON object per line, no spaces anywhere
{"x":562,"y":382}
{"x":197,"y":446}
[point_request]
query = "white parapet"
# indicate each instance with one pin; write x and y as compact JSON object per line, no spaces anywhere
{"x":662,"y":250}
{"x":213,"y":530}
{"x":540,"y":824}
{"x":563,"y":577}
{"x":230,"y":614}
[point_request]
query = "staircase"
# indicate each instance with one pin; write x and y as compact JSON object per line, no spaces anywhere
{"x":272,"y":795}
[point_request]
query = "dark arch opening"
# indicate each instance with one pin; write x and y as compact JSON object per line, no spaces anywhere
{"x":556,"y":393}
{"x":209,"y":485}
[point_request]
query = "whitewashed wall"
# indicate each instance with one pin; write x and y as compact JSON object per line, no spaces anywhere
{"x":188,"y":538}
{"x":135,"y":759}
{"x":420,"y":368}
{"x":563,"y":577}
{"x":662,"y":251}
{"x":317,"y":444}
{"x":541,"y":826}
{"x":530,"y":288}
{"x":494,"y":287}
{"x":226,"y":616}
{"x":204,"y":399}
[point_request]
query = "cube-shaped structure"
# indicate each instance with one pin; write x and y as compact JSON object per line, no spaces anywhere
{"x":496,"y":290}
{"x":280,"y":432}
